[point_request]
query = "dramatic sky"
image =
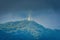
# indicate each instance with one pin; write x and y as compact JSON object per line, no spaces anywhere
{"x":45,"y":12}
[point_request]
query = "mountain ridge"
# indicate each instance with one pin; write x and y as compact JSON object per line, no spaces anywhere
{"x":29,"y":30}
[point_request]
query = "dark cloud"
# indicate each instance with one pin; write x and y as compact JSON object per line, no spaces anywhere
{"x":28,"y":4}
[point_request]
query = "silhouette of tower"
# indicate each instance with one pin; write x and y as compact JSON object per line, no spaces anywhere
{"x":29,"y":17}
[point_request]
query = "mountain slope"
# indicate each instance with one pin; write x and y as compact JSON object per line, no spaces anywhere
{"x":27,"y":30}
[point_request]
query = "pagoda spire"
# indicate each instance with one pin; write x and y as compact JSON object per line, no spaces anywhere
{"x":29,"y":17}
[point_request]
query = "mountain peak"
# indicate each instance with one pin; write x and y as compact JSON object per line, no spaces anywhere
{"x":27,"y":30}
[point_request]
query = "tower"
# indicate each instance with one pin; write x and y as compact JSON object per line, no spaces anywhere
{"x":29,"y":17}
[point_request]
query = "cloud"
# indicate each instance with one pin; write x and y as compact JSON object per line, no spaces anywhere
{"x":28,"y":4}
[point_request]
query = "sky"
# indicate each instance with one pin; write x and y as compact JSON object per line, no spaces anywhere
{"x":45,"y":12}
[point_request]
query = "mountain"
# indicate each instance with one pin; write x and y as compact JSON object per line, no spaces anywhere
{"x":27,"y":30}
